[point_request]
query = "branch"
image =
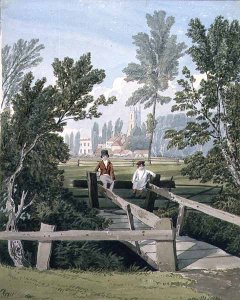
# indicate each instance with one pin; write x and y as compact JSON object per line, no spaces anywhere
{"x":21,"y":205}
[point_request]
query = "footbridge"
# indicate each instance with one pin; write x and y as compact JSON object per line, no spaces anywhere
{"x":153,"y":238}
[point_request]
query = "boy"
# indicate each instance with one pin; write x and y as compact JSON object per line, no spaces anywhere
{"x":140,"y":179}
{"x":106,"y":170}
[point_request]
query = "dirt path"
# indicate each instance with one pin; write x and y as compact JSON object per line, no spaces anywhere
{"x":224,"y":285}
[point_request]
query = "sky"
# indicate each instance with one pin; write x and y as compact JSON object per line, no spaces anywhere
{"x":104,"y":28}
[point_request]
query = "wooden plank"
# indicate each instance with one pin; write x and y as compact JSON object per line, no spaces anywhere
{"x":92,"y":190}
{"x":44,"y":249}
{"x":89,"y":235}
{"x":151,"y":196}
{"x":141,"y":214}
{"x":217,"y":213}
{"x":180,"y":219}
{"x":131,"y":225}
{"x":122,"y":184}
{"x":166,"y":254}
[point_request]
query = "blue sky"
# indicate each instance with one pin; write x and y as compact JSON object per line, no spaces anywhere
{"x":104,"y":28}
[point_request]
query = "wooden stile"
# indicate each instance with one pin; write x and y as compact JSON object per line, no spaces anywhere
{"x":151,"y":196}
{"x":44,"y":249}
{"x":92,"y":190}
{"x":166,"y":251}
{"x":180,"y":219}
{"x":131,"y":225}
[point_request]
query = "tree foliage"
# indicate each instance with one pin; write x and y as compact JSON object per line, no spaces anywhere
{"x":215,"y":103}
{"x":109,"y":130}
{"x":104,"y":133}
{"x":158,"y":55}
{"x":71,"y":146}
{"x":137,"y":140}
{"x":40,"y":112}
{"x":77,"y":143}
{"x":118,"y":127}
{"x":22,"y":56}
{"x":95,"y":136}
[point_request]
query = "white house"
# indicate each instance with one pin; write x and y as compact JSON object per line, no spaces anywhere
{"x":85,"y":147}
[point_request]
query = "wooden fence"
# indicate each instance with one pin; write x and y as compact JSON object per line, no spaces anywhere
{"x":161,"y":231}
{"x":184,"y":203}
{"x":46,"y":235}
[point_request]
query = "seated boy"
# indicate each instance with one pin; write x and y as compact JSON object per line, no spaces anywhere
{"x":105,"y":167}
{"x":140,"y":179}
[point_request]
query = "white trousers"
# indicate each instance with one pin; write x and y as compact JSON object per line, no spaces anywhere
{"x":106,"y":179}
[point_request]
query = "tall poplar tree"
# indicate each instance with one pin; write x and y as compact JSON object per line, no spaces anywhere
{"x":158,"y":54}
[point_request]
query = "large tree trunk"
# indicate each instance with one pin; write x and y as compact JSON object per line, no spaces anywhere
{"x":152,"y":132}
{"x":15,"y":248}
{"x":232,"y":167}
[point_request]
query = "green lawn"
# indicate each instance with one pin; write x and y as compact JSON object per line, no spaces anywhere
{"x":66,"y":285}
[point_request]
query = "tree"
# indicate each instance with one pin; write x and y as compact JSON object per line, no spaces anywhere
{"x":71,"y":142}
{"x":118,"y":127}
{"x":144,"y":129}
{"x":67,"y":139}
{"x":95,"y":136}
{"x":215,"y":103}
{"x":22,"y":56}
{"x":104,"y":133}
{"x":137,"y":140}
{"x":40,"y":111}
{"x":158,"y":56}
{"x":109,"y":130}
{"x":77,"y":143}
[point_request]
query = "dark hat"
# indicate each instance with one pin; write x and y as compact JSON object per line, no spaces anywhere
{"x":140,"y":162}
{"x":104,"y":153}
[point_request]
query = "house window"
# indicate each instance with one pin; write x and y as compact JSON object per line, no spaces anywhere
{"x":84,"y":144}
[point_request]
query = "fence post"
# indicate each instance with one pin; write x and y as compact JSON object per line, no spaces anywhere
{"x":151,"y":196}
{"x":92,"y":190}
{"x":44,"y":249}
{"x":166,"y":253}
{"x":131,"y":225}
{"x":180,"y":219}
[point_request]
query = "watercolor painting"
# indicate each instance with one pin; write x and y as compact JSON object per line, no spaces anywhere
{"x":119,"y":149}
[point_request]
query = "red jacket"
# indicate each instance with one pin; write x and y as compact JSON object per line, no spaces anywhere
{"x":106,"y":170}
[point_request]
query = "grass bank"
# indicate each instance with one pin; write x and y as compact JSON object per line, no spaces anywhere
{"x":32,"y":284}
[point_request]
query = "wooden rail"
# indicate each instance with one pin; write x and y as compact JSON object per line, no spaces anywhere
{"x":123,"y":184}
{"x":183,"y":203}
{"x":89,"y":235}
{"x":141,"y":214}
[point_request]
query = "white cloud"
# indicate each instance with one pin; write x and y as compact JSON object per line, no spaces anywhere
{"x":122,"y":90}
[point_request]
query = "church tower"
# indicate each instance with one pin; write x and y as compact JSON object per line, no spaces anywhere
{"x":134,"y":118}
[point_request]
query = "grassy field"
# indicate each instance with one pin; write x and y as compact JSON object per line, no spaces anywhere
{"x":66,"y":285}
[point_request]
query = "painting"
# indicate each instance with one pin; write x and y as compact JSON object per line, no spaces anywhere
{"x":119,"y":149}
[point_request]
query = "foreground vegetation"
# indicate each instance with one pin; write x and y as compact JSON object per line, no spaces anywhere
{"x":31,"y":284}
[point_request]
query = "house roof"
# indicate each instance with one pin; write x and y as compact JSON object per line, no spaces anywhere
{"x":117,"y":143}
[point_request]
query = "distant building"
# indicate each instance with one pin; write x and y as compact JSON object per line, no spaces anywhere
{"x":140,"y":153}
{"x":85,"y":147}
{"x":134,"y":119}
{"x":122,"y":153}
